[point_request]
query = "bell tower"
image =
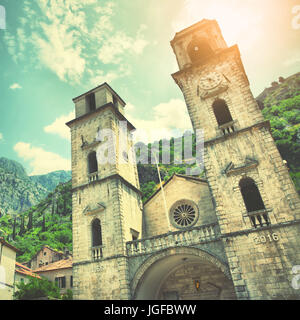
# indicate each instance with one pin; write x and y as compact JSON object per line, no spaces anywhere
{"x":106,"y":200}
{"x":256,"y":203}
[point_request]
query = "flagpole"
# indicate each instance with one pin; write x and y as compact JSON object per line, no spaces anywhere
{"x":163,"y":192}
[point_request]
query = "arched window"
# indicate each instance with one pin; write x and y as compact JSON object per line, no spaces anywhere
{"x":199,"y":50}
{"x":90,"y":102}
{"x":221,"y":112}
{"x":251,"y":195}
{"x":253,"y":202}
{"x":96,"y":233}
{"x":92,"y":162}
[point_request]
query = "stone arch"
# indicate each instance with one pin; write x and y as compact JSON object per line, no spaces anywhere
{"x":96,"y":233}
{"x":92,"y":162}
{"x":164,"y":262}
{"x":221,"y":112}
{"x":251,"y":194}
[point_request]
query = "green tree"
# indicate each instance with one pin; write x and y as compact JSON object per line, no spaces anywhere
{"x":22,"y":228}
{"x":36,"y":288}
{"x":285,"y":127}
{"x":29,"y":225}
{"x":68,"y":295}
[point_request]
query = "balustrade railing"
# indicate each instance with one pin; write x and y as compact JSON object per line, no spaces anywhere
{"x":93,"y":176}
{"x":259,"y":218}
{"x":228,"y":127}
{"x":97,"y":253}
{"x":190,"y":236}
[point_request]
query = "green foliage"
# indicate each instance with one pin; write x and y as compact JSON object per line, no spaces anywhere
{"x":36,"y":288}
{"x":68,"y":295}
{"x":148,"y":189}
{"x":285,"y":127}
{"x":32,"y":229}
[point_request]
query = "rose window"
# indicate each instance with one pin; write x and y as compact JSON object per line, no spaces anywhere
{"x":184,"y":214}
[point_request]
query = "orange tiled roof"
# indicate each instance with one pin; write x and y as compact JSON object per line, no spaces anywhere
{"x":60,"y":264}
{"x":25,"y":271}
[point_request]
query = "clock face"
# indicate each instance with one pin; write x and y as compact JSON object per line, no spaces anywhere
{"x":210,"y":81}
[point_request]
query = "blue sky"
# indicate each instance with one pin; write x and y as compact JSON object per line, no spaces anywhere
{"x":52,"y":51}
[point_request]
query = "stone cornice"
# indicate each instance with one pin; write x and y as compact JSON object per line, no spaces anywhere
{"x":99,"y":110}
{"x":190,"y":68}
{"x":265,"y":124}
{"x":253,"y":230}
{"x":114,"y":176}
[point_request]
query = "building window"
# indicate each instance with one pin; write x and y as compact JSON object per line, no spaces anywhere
{"x":254,"y":203}
{"x":71,"y":281}
{"x":96,"y":233}
{"x":251,"y":195}
{"x":90,"y":102}
{"x":60,"y":282}
{"x":134,"y":234}
{"x":184,"y":214}
{"x":92,"y":162}
{"x":115,"y":101}
{"x":221,"y":112}
{"x":199,"y":50}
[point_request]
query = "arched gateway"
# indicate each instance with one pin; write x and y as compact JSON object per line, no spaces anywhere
{"x":182,"y":273}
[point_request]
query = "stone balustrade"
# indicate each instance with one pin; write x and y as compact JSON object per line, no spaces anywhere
{"x":93,"y":176}
{"x":259,"y":218}
{"x":227,"y":127}
{"x":187,"y":237}
{"x":97,"y":253}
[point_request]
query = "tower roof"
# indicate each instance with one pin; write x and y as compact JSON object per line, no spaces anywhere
{"x":193,"y":27}
{"x":105,"y":84}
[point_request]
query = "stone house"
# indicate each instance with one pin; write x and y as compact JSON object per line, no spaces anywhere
{"x":59,"y":272}
{"x":46,"y":255}
{"x":23,"y":274}
{"x":7,"y":269}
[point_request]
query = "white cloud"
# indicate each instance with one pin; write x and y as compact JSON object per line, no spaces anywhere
{"x":59,"y":126}
{"x":1,"y":137}
{"x":15,"y":86}
{"x":58,"y":52}
{"x":292,"y":60}
{"x":40,"y":160}
{"x":116,"y":46}
{"x":170,"y":119}
{"x":73,"y":39}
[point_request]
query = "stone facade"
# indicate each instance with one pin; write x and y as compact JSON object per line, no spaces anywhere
{"x":210,"y":243}
{"x":44,"y":257}
{"x":59,"y":272}
{"x":7,"y":269}
{"x":260,"y":260}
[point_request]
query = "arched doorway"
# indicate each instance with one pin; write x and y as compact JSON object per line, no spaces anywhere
{"x":183,"y":274}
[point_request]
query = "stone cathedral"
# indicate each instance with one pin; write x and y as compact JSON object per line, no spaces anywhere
{"x":233,"y":235}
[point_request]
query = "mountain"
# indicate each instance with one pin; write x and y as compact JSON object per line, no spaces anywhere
{"x":281,"y":90}
{"x":52,"y":179}
{"x":47,"y":223}
{"x":19,"y":192}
